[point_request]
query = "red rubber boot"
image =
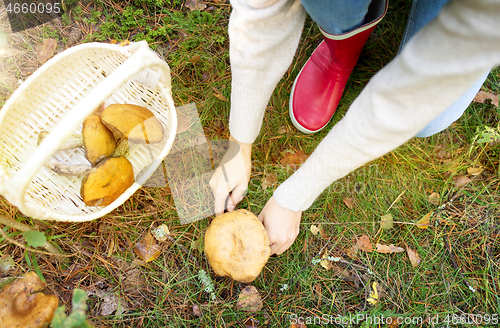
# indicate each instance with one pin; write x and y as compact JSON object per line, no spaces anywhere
{"x":318,"y":88}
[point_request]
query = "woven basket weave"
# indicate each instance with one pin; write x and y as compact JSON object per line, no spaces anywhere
{"x":57,"y":98}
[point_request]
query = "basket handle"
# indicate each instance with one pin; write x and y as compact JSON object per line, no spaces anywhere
{"x":142,"y":57}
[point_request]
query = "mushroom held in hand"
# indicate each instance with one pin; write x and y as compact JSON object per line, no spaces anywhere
{"x":107,"y":181}
{"x":98,"y":141}
{"x":237,"y":245}
{"x":133,"y":122}
{"x":22,"y":304}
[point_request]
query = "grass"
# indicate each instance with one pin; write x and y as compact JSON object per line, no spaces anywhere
{"x":163,"y":292}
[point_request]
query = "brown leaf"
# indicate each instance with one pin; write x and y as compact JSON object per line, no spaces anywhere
{"x":414,"y":257}
{"x":195,"y":5}
{"x":481,"y":96}
{"x":381,"y":248}
{"x":218,"y":94}
{"x":349,"y":202}
{"x":46,"y":50}
{"x":251,"y":323}
{"x":461,"y":181}
{"x":474,"y":170}
{"x":365,"y":244}
{"x":345,"y":274}
{"x":434,"y":198}
{"x":161,"y":233}
{"x":327,"y":265}
{"x":269,"y":180}
{"x":425,"y":221}
{"x":441,"y":153}
{"x":386,"y":222}
{"x":282,"y":130}
{"x":293,"y":160}
{"x":197,"y":311}
{"x":194,"y":59}
{"x":249,"y":300}
{"x":147,"y":249}
{"x":109,"y":302}
{"x":314,"y":229}
{"x":183,"y":123}
{"x":351,"y":252}
{"x":298,"y":325}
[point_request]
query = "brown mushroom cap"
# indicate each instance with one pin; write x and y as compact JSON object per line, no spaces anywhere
{"x":136,"y":123}
{"x":98,"y":140}
{"x":107,"y":181}
{"x":22,"y":305}
{"x":237,"y":245}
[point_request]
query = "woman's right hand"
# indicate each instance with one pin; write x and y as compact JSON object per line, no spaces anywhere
{"x":231,"y":178}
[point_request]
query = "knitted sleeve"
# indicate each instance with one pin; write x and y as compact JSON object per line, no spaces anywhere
{"x":264,"y":35}
{"x":435,"y":68}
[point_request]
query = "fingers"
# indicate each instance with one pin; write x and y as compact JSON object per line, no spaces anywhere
{"x":219,"y":183}
{"x":220,"y":191}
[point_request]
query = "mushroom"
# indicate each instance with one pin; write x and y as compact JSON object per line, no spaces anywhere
{"x":135,"y":123}
{"x":22,"y":304}
{"x":107,"y":181}
{"x":237,"y":245}
{"x":98,"y":141}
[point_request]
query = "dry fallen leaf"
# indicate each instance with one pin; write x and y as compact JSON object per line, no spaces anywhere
{"x":374,"y":294}
{"x":298,"y":325}
{"x":434,"y":198}
{"x":481,"y":96}
{"x":161,"y":233}
{"x":282,"y":130}
{"x":345,"y":274}
{"x":474,"y":170}
{"x":386,"y":222}
{"x":352,"y":251}
{"x":326,"y":264}
{"x":249,"y":300}
{"x":194,"y":59}
{"x":365,"y":244}
{"x":461,"y":181}
{"x":349,"y":202}
{"x":218,"y":94}
{"x":425,"y":221}
{"x":269,"y":180}
{"x":414,"y":257}
{"x":314,"y":229}
{"x":109,"y":302}
{"x":381,"y":248}
{"x":195,"y":5}
{"x":46,"y":50}
{"x":251,"y":323}
{"x":197,"y":311}
{"x":293,"y":160}
{"x":147,"y":249}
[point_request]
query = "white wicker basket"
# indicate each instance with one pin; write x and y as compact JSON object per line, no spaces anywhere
{"x":57,"y":98}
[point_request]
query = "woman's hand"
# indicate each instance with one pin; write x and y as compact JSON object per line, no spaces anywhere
{"x":282,"y":225}
{"x":231,"y":178}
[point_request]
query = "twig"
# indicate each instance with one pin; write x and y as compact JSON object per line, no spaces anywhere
{"x":15,"y":242}
{"x":22,"y":227}
{"x":452,"y":258}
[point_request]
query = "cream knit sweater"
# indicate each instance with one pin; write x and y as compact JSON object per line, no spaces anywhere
{"x":435,"y":68}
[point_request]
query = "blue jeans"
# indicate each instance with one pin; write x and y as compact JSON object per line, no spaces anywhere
{"x":342,"y":16}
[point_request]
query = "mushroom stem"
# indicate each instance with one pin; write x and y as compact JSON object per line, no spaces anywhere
{"x":73,"y":141}
{"x":67,"y":169}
